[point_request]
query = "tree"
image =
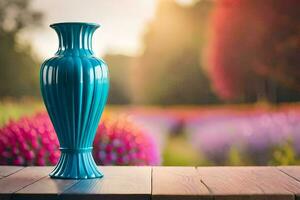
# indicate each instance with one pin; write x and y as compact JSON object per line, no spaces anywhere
{"x":255,"y":47}
{"x":168,"y":71}
{"x":18,"y":68}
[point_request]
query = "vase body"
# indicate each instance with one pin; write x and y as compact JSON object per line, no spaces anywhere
{"x":74,"y":86}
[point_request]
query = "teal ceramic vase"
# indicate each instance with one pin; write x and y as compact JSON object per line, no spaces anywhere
{"x":74,"y":86}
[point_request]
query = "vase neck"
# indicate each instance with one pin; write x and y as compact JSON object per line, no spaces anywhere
{"x":75,"y":38}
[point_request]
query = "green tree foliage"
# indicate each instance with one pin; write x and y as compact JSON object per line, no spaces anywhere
{"x":119,"y":71}
{"x":18,"y":68}
{"x":168,"y":71}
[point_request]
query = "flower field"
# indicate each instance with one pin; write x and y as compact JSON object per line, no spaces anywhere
{"x":218,"y":135}
{"x":254,"y":138}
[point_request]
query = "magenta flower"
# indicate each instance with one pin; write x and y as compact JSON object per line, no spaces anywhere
{"x":121,"y":142}
{"x":29,"y":141}
{"x":32,"y":141}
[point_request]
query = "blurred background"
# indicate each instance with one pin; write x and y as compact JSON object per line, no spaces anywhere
{"x":211,"y":82}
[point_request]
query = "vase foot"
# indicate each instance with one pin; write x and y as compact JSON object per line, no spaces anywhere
{"x":79,"y":165}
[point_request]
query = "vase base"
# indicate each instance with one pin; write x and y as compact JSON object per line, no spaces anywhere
{"x":76,"y":166}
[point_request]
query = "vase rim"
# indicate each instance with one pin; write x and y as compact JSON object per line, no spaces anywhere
{"x":76,"y":23}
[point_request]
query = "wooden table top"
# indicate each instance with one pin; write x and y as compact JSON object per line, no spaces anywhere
{"x":137,"y":183}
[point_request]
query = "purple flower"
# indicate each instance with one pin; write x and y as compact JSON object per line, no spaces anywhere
{"x":255,"y":134}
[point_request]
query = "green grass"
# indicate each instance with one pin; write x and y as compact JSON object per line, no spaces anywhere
{"x":13,"y":110}
{"x":179,"y":152}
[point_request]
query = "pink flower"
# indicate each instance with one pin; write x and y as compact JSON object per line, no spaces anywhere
{"x":24,"y":142}
{"x":33,"y":141}
{"x":121,"y":142}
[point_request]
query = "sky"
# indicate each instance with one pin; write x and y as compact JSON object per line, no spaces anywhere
{"x":123,"y":23}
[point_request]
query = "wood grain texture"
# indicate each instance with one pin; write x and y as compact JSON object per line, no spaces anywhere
{"x":132,"y":183}
{"x":21,"y":179}
{"x":8,"y":170}
{"x":293,"y":171}
{"x":157,"y":183}
{"x":45,"y":188}
{"x":248,"y":183}
{"x":177,"y":183}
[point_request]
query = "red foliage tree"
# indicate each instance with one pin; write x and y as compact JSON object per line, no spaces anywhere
{"x":254,"y":40}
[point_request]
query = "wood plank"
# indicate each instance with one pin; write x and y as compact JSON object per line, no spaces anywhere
{"x":132,"y":183}
{"x":177,"y":183}
{"x":293,"y":171}
{"x":248,"y":183}
{"x":167,"y":183}
{"x":21,"y":179}
{"x":46,"y":188}
{"x":8,"y":170}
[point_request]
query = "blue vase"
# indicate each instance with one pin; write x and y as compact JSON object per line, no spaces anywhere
{"x":74,"y":87}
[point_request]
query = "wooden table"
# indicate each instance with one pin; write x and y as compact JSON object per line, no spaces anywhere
{"x":132,"y":183}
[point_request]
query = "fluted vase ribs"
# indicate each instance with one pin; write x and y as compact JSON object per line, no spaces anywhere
{"x":74,"y":87}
